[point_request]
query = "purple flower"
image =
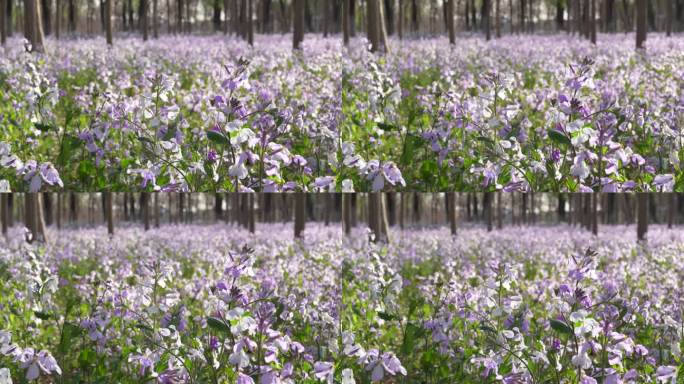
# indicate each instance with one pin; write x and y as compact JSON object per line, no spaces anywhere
{"x":323,"y":371}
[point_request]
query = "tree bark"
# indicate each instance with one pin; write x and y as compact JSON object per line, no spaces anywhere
{"x":143,"y":19}
{"x":345,"y":22}
{"x":486,"y":19}
{"x":346,"y":213}
{"x":155,"y":18}
{"x":4,"y":213}
{"x":450,"y":21}
{"x":499,"y":210}
{"x":157,"y":210}
{"x":298,"y":24}
{"x":108,"y":21}
{"x":3,"y":19}
{"x":641,"y":11}
{"x":453,"y":217}
{"x":145,"y":208}
{"x":642,"y":214}
{"x":300,"y":214}
{"x":108,"y":210}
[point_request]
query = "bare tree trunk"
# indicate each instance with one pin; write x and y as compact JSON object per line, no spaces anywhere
{"x":499,"y":210}
{"x":453,"y":217}
{"x":346,"y":213}
{"x":298,"y":24}
{"x":488,"y":197}
{"x":592,"y":18}
{"x":377,"y":217}
{"x":4,"y":213}
{"x":594,"y":213}
{"x":400,"y":19}
{"x":143,"y":18}
{"x":486,"y":18}
{"x":155,"y":18}
{"x":671,"y":208}
{"x":33,"y":212}
{"x":59,"y":211}
{"x":251,"y":224}
{"x":498,"y":18}
{"x":108,"y":21}
{"x":108,"y":210}
{"x":345,"y":22}
{"x":641,"y":11}
{"x":250,"y":28}
{"x":642,"y":214}
{"x":300,"y":214}
{"x":3,"y":19}
{"x":145,"y":209}
{"x":33,"y":29}
{"x":450,"y":21}
{"x":157,"y":210}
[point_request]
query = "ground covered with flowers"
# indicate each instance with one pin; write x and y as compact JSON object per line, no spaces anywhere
{"x":541,"y":113}
{"x":545,"y":113}
{"x":177,"y":114}
{"x":213,"y":304}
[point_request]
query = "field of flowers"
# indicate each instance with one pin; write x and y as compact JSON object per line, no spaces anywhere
{"x":214,"y":304}
{"x":544,"y":113}
{"x":520,"y":113}
{"x":177,"y":114}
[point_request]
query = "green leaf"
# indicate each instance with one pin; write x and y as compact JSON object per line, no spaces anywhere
{"x":411,"y":146}
{"x":412,"y":333}
{"x":386,"y":316}
{"x":558,"y":137}
{"x":42,"y":315}
{"x":218,"y":324}
{"x":70,"y":332}
{"x":561,"y":327}
{"x":43,"y":127}
{"x":171,"y":132}
{"x":489,"y":142}
{"x":217,"y":137}
{"x":386,"y":126}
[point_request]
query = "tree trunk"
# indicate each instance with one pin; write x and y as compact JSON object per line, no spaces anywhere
{"x":488,"y":197}
{"x":4,"y":213}
{"x":642,"y":213}
{"x":641,"y":11}
{"x":452,"y":215}
{"x":521,"y":27}
{"x":108,"y":21}
{"x":145,"y":209}
{"x":218,"y":207}
{"x":345,"y":22}
{"x":377,"y":217}
{"x":300,"y":214}
{"x":155,"y":18}
{"x":671,"y":208}
{"x":498,"y":18}
{"x":298,"y":24}
{"x":346,"y":213}
{"x":3,"y":19}
{"x":59,"y":211}
{"x":33,"y":212}
{"x":485,"y":19}
{"x":46,"y":16}
{"x":594,"y":214}
{"x":450,"y":21}
{"x":108,"y":209}
{"x":250,"y":30}
{"x":157,"y":210}
{"x":251,"y":219}
{"x":47,"y":205}
{"x":499,"y":210}
{"x":560,"y":13}
{"x":592,"y":19}
{"x":560,"y":211}
{"x":143,"y":19}
{"x":400,"y":19}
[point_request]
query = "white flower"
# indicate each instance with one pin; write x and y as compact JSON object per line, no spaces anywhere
{"x":347,"y":376}
{"x":6,"y":379}
{"x":347,"y":186}
{"x":237,"y":170}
